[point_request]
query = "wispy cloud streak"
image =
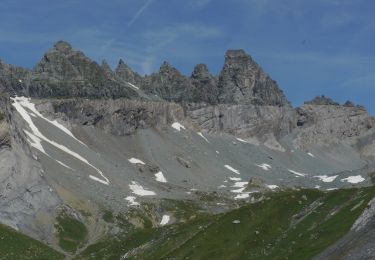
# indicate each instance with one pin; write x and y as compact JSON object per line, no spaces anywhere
{"x":139,"y":13}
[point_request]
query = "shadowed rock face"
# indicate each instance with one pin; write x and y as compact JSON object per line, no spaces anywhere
{"x":206,"y":89}
{"x":242,"y":81}
{"x":124,"y":72}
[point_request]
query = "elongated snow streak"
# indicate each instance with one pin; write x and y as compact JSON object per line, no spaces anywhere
{"x":136,"y":161}
{"x":299,"y":174}
{"x":310,"y":154}
{"x":139,"y":190}
{"x":165,"y":220}
{"x":178,"y":126}
{"x":160,"y":177}
{"x":133,"y":86}
{"x":234,"y":179}
{"x":201,"y":135}
{"x":272,"y":187}
{"x":242,"y":140}
{"x":354,"y":179}
{"x":20,"y":103}
{"x":264,"y":166}
{"x":242,"y":196}
{"x":326,"y":178}
{"x":232,"y":169}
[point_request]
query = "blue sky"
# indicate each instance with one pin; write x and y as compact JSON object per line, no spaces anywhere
{"x":310,"y":47}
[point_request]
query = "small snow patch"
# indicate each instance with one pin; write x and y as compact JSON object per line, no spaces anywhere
{"x":236,"y":221}
{"x":330,"y":189}
{"x":241,"y":140}
{"x":242,"y":196}
{"x":264,"y":166}
{"x":132,"y":201}
{"x":160,"y":177}
{"x":217,"y":152}
{"x":310,"y":154}
{"x":234,"y":179}
{"x":231,"y":169}
{"x":354,"y":179}
{"x":299,"y":174}
{"x":136,"y":161}
{"x":326,"y":178}
{"x":272,"y":187}
{"x":240,"y":184}
{"x":222,"y":186}
{"x":178,"y":126}
{"x":133,"y":86}
{"x":201,"y":135}
{"x":139,"y":190}
{"x":165,"y":220}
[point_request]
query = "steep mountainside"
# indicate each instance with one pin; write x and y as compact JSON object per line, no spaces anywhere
{"x":89,"y":154}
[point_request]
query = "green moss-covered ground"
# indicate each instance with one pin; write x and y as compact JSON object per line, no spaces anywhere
{"x":14,"y":245}
{"x":286,"y":225}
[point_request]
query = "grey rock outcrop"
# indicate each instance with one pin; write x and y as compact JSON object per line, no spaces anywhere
{"x":206,"y":89}
{"x":124,"y":72}
{"x":65,"y":72}
{"x":242,"y":81}
{"x":322,"y":101}
{"x":319,"y":123}
{"x":168,"y":84}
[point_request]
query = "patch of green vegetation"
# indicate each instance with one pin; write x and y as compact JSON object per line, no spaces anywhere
{"x":71,"y":232}
{"x":292,"y":224}
{"x":14,"y":245}
{"x":372,"y":176}
{"x":108,"y":216}
{"x":2,"y":116}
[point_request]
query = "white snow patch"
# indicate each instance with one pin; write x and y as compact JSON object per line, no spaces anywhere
{"x":165,"y":219}
{"x":326,"y":178}
{"x":20,"y":80}
{"x":299,"y":174}
{"x":133,"y":86}
{"x":217,"y":152}
{"x":97,"y":179}
{"x":240,"y":184}
{"x":132,"y":201}
{"x":222,"y":186}
{"x":160,"y":177}
{"x":264,"y":166}
{"x":241,"y":140}
{"x":178,"y":126}
{"x":139,"y":190}
{"x":23,"y":103}
{"x":235,"y":179}
{"x":238,"y":190}
{"x":63,"y":164}
{"x":236,"y":221}
{"x":135,"y":161}
{"x":231,"y":169}
{"x":272,"y":187}
{"x":242,"y":196}
{"x":354,"y":179}
{"x":201,"y":135}
{"x":331,"y":189}
{"x":317,"y":187}
{"x":310,"y":154}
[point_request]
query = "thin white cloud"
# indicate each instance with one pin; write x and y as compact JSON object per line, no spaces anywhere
{"x":139,"y":12}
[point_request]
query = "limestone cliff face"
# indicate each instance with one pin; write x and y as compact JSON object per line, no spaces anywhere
{"x":328,"y":122}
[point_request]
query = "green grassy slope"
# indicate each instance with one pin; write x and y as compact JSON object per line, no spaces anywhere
{"x":287,"y":225}
{"x":14,"y":245}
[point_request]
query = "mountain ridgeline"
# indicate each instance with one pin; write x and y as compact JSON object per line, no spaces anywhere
{"x":66,"y":72}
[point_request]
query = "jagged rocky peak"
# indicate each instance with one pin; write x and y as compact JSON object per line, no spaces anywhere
{"x":124,"y":72}
{"x":242,"y":81}
{"x":63,"y":47}
{"x":205,"y":84}
{"x":322,"y":101}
